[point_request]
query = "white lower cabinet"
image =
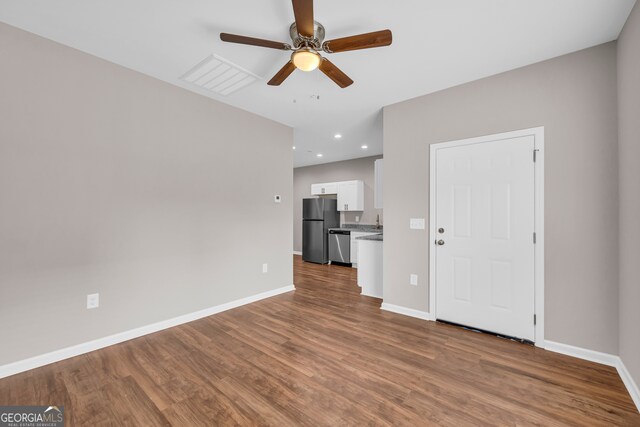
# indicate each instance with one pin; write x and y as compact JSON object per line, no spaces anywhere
{"x":355,"y":244}
{"x":370,"y":268}
{"x":354,"y":248}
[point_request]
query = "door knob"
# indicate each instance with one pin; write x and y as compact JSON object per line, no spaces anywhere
{"x":440,"y":242}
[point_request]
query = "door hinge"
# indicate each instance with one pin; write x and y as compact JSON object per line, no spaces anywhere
{"x":534,"y":238}
{"x":535,"y":155}
{"x":534,"y":319}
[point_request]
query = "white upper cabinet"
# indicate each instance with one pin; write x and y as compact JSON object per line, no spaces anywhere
{"x":351,"y":196}
{"x":350,"y":193}
{"x":326,"y":188}
{"x":378,"y":190}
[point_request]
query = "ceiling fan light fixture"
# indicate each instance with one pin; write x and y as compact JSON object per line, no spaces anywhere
{"x":306,"y":59}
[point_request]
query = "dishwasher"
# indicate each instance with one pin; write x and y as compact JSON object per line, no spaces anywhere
{"x":340,"y":246}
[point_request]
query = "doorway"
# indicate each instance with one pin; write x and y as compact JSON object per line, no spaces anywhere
{"x":487,"y":233}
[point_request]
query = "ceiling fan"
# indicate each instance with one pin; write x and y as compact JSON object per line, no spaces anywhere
{"x":307,"y":38}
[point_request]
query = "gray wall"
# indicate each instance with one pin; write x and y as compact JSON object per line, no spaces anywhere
{"x":361,"y":169}
{"x":574,"y":98}
{"x":629,"y":140}
{"x":114,"y":182}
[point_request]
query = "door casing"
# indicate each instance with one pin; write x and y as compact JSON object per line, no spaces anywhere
{"x":538,"y":134}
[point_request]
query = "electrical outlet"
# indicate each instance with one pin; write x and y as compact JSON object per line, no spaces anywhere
{"x":93,"y":301}
{"x":416,"y":223}
{"x":413,"y":279}
{"x":357,"y":218}
{"x":265,"y":268}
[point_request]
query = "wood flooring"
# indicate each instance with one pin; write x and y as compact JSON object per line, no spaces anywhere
{"x":324,"y":355}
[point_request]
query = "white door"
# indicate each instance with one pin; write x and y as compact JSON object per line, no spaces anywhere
{"x":485,"y":236}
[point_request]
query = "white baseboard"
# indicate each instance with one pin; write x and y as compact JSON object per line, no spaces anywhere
{"x":582,"y":353}
{"x":76,"y":350}
{"x":297,"y":253}
{"x":603,"y":358}
{"x":406,"y":311}
{"x":631,"y":385}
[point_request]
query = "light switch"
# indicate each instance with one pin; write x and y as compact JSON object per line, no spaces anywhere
{"x":416,"y":223}
{"x":413,"y":279}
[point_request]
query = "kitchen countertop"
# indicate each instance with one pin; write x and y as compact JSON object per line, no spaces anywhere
{"x":364,"y":228}
{"x":373,"y":237}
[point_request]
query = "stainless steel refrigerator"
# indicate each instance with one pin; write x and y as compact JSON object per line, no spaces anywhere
{"x":318,"y":216}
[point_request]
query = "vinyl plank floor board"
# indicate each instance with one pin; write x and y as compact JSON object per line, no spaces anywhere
{"x":324,"y":355}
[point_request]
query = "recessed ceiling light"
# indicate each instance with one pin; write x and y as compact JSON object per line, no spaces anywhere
{"x":337,"y":136}
{"x":294,"y":147}
{"x":319,"y":155}
{"x":364,"y":147}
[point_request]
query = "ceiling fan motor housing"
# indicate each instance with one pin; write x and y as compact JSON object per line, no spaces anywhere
{"x":300,"y":41}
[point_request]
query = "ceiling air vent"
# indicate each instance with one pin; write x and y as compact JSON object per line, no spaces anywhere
{"x":219,"y":75}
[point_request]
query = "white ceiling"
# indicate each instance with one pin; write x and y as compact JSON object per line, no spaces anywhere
{"x":437,"y":44}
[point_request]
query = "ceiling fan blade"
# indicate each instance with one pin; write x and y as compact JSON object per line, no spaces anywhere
{"x":335,"y":73}
{"x":234,"y":38}
{"x":303,"y":11}
{"x":361,"y":41}
{"x":282,"y":74}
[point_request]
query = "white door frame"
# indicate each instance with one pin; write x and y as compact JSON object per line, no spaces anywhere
{"x":538,"y":134}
